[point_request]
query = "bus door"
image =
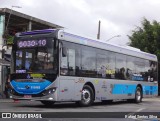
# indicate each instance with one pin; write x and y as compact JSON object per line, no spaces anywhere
{"x":67,"y":80}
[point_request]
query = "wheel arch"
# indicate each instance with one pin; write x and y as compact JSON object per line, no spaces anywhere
{"x":92,"y":86}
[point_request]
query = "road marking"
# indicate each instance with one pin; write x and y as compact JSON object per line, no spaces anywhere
{"x":140,"y":109}
{"x":132,"y":114}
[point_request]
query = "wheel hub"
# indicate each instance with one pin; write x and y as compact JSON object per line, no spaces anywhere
{"x":138,"y":95}
{"x":86,"y":96}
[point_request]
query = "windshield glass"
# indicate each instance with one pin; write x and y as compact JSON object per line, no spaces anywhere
{"x":32,"y":56}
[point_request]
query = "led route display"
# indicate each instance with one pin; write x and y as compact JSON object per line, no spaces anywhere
{"x":31,"y":43}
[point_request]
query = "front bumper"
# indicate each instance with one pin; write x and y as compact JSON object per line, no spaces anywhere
{"x":46,"y":95}
{"x":29,"y":97}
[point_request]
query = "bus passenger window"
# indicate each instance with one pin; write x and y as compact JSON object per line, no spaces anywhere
{"x":68,"y":63}
{"x":130,"y":67}
{"x":71,"y":61}
{"x":111,"y":65}
{"x":120,"y":66}
{"x":88,"y":62}
{"x":64,"y":64}
{"x":78,"y":60}
{"x":152,"y":72}
{"x":102,"y":65}
{"x":140,"y":70}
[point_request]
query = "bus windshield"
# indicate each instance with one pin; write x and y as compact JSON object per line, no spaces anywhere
{"x":35,"y":56}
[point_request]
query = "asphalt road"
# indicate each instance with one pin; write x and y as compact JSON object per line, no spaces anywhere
{"x":119,"y":109}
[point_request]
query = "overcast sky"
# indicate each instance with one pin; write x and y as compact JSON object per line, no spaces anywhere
{"x":118,"y":17}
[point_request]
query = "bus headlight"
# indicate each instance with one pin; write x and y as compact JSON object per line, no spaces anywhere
{"x":49,"y":91}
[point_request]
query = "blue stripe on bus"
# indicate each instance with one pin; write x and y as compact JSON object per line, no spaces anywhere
{"x":29,"y":87}
{"x":123,"y":89}
{"x":150,"y":90}
{"x":130,"y":89}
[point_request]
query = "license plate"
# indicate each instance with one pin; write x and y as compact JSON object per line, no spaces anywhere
{"x":27,"y":96}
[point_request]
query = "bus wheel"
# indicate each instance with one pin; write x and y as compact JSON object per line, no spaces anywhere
{"x":87,"y":96}
{"x":138,"y":95}
{"x":48,"y":103}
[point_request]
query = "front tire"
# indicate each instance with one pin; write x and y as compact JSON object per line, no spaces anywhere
{"x":87,"y":96}
{"x":48,"y":103}
{"x":138,"y":95}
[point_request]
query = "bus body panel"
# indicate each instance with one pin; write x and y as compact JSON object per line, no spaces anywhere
{"x":105,"y":89}
{"x":66,"y":89}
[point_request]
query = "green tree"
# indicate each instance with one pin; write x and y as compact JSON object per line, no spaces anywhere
{"x":147,"y":37}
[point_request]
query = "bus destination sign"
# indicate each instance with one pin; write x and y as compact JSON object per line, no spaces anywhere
{"x":31,"y":43}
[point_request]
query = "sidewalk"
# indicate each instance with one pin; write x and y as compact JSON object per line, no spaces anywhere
{"x":152,"y":98}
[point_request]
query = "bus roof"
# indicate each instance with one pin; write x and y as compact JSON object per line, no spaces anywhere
{"x":128,"y":50}
{"x":44,"y":31}
{"x":106,"y":46}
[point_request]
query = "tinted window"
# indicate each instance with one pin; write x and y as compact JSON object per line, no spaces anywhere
{"x":111,"y":65}
{"x":130,"y":67}
{"x":68,"y":62}
{"x":88,"y":62}
{"x":102,"y":64}
{"x":120,"y":66}
{"x":152,"y":72}
{"x":140,"y":70}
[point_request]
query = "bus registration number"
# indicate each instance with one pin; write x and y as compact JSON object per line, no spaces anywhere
{"x":27,"y":96}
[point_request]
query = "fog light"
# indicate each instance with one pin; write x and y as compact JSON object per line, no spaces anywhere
{"x":50,"y":98}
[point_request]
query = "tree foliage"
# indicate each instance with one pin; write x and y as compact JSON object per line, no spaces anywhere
{"x":147,"y":37}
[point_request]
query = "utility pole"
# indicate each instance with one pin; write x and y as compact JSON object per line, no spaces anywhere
{"x":99,"y":26}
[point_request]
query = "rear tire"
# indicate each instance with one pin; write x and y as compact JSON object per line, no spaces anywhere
{"x":48,"y":103}
{"x":87,"y":96}
{"x":138,"y":95}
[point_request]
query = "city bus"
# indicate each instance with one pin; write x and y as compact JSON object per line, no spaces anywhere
{"x":52,"y":65}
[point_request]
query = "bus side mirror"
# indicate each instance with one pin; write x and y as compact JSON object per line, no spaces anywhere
{"x":64,"y":51}
{"x":3,"y":53}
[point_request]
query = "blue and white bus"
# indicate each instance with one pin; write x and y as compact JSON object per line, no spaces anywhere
{"x":56,"y":66}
